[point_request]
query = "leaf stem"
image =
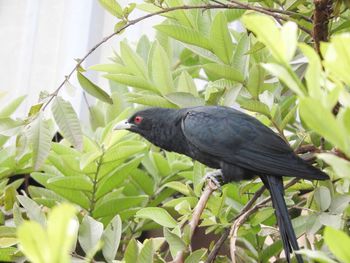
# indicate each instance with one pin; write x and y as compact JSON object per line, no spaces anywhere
{"x":95,"y":181}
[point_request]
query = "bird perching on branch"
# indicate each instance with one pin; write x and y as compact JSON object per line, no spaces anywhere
{"x":235,"y":143}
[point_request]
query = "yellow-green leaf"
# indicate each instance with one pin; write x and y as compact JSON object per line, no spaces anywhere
{"x":41,"y":141}
{"x":67,"y":121}
{"x":158,"y":215}
{"x":93,"y":89}
{"x":220,"y":38}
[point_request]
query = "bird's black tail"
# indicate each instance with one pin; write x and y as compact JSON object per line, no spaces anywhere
{"x":289,"y":240}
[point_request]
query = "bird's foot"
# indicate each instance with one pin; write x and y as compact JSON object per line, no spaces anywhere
{"x":216,"y":177}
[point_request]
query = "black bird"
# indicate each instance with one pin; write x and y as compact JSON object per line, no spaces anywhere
{"x":234,"y":142}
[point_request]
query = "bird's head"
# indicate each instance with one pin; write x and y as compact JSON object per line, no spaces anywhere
{"x":149,"y":122}
{"x":158,"y":125}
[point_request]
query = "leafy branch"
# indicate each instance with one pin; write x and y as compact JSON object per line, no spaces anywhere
{"x":232,"y":5}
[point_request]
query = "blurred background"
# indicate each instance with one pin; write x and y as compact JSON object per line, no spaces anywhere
{"x":41,"y":38}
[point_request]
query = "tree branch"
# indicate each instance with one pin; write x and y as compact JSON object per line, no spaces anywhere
{"x":321,"y":16}
{"x":197,"y":212}
{"x":270,"y":12}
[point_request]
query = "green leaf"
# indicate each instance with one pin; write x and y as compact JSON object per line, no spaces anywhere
{"x":158,"y":215}
{"x":76,"y":182}
{"x":144,"y":181}
{"x":9,"y":197}
{"x":317,"y":256}
{"x":10,"y":127}
{"x":204,"y":53}
{"x":112,"y":7}
{"x":337,"y":57}
{"x":233,"y":14}
{"x":220,"y":38}
{"x":93,"y":89}
{"x":113,"y":206}
{"x":255,"y":80}
{"x":289,"y":37}
{"x":111,"y":238}
{"x":161,"y":71}
{"x":146,"y":253}
{"x":178,"y":186}
{"x":323,"y":198}
{"x":34,"y":243}
{"x":132,"y":60}
{"x":314,"y":71}
{"x":62,"y":228}
{"x":143,"y":47}
{"x":266,"y":30}
{"x":11,"y":107}
{"x":196,"y":256}
{"x":17,"y":215}
{"x":323,"y":122}
{"x":131,"y":252}
{"x":40,"y":135}
{"x":34,"y":109}
{"x":74,"y":196}
{"x":289,"y":117}
{"x":184,"y":99}
{"x":271,"y":251}
{"x":132,"y":81}
{"x":116,"y":177}
{"x":114,"y":68}
{"x":90,"y":233}
{"x":240,"y":59}
{"x":287,"y":76}
{"x":176,"y":243}
{"x":53,"y":245}
{"x":340,"y":166}
{"x":151,"y":100}
{"x":338,"y":242}
{"x":10,"y":254}
{"x":161,"y":163}
{"x":185,"y":35}
{"x":186,"y":84}
{"x":67,"y":121}
{"x":220,"y":71}
{"x":254,"y":105}
{"x":33,"y":209}
{"x":182,"y":16}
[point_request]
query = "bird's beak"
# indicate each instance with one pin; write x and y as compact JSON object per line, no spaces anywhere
{"x":123,"y":125}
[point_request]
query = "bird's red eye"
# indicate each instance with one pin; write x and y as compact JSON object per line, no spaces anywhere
{"x":138,"y":119}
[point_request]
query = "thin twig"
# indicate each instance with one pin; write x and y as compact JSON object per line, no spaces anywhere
{"x":226,"y":233}
{"x":241,"y":220}
{"x":247,"y":210}
{"x":197,"y":212}
{"x":95,"y":181}
{"x":268,"y":12}
{"x":273,"y":10}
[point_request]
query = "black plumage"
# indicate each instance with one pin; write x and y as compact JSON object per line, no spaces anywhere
{"x":238,"y":144}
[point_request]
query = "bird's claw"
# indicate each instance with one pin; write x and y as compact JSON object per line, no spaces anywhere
{"x":216,"y":177}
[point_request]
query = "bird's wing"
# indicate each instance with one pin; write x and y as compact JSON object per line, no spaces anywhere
{"x":240,"y":139}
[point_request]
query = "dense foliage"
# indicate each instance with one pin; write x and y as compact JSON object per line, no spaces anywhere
{"x":97,"y":191}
